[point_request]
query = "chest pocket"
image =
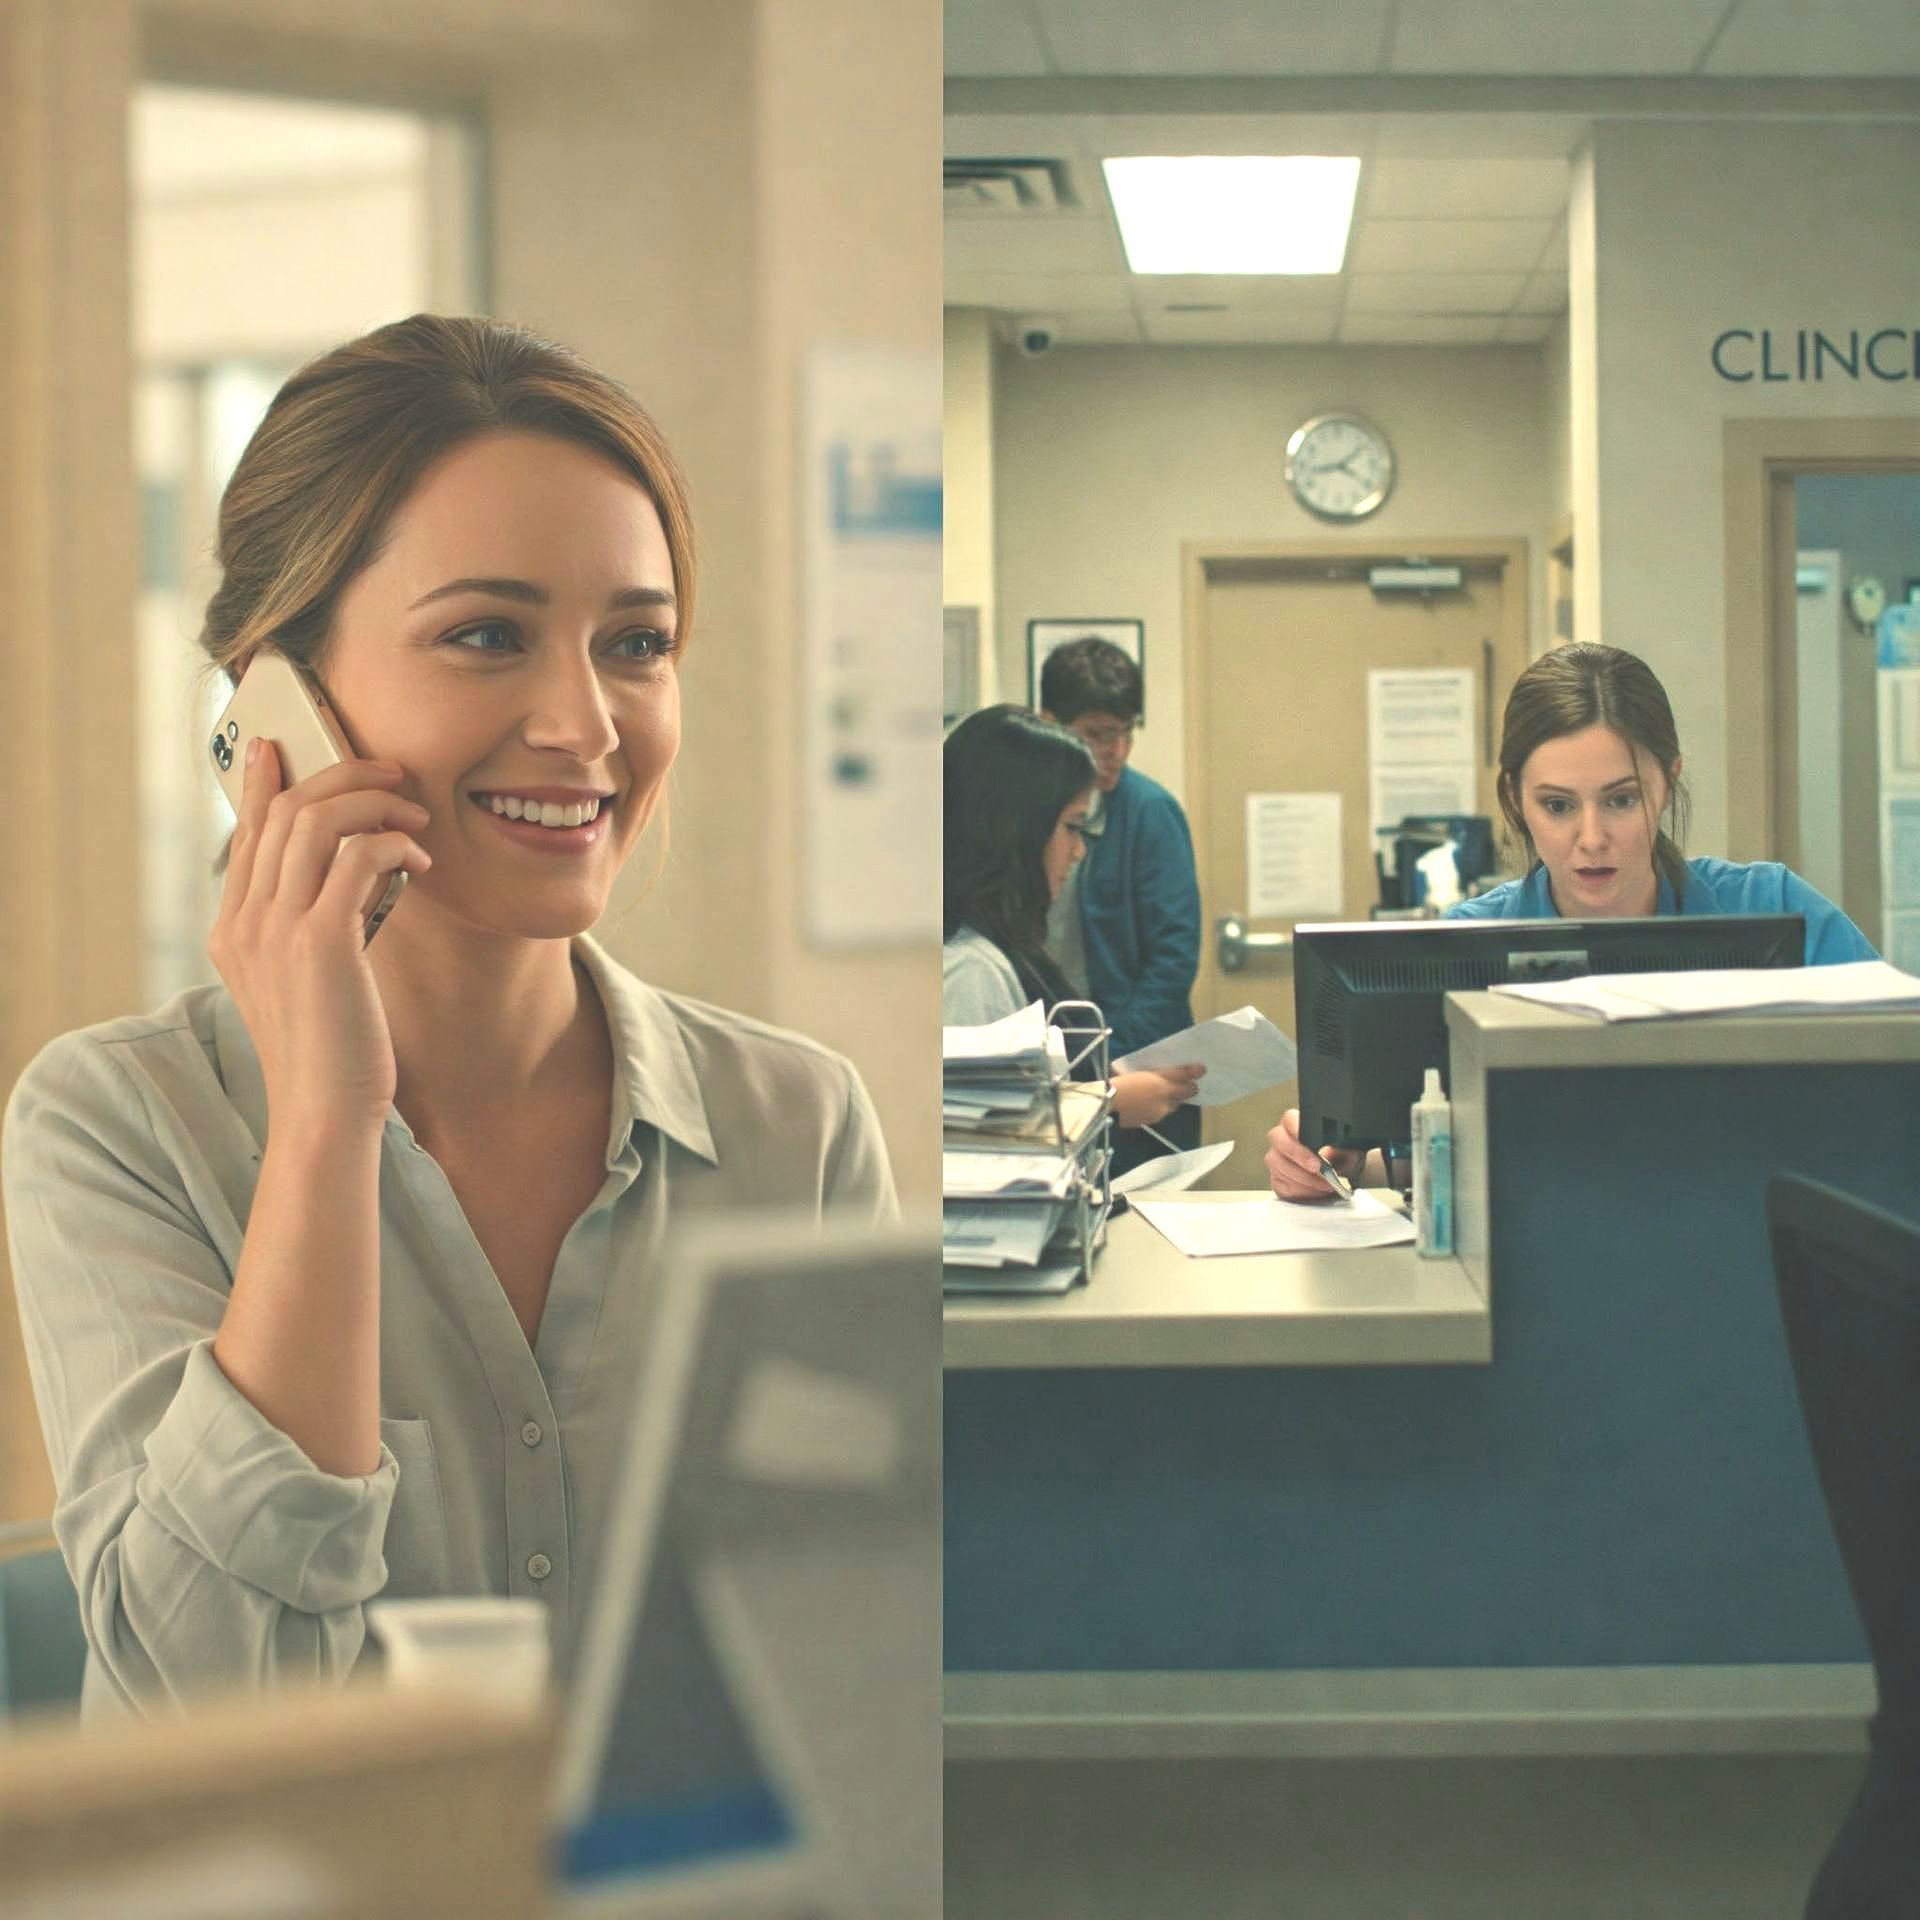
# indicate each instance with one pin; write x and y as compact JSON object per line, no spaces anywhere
{"x":418,"y":1564}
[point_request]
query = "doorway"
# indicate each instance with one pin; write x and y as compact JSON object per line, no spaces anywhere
{"x":1833,"y":787}
{"x":1280,"y":643}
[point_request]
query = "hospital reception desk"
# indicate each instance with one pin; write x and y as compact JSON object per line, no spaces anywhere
{"x":1552,"y":1495}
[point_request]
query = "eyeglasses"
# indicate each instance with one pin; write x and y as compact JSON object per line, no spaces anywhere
{"x":1105,"y":736}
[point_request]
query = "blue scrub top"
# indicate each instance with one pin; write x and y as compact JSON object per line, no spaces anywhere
{"x":1713,"y":886}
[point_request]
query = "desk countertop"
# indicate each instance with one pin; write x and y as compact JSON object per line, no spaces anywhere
{"x":1508,"y":1032}
{"x":1148,"y":1305}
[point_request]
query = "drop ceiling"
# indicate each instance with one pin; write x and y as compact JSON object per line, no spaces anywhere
{"x":1465,"y":113}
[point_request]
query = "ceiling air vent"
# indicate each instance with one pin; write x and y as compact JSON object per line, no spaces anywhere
{"x":1012,"y":189}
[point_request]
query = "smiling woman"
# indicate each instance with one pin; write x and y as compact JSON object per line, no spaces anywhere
{"x":333,"y":1277}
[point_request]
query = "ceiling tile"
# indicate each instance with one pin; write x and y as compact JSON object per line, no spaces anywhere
{"x":1100,"y":330}
{"x":1068,"y":245}
{"x":1497,"y":36}
{"x":1307,"y":295}
{"x":1446,"y":246}
{"x":1277,"y":133}
{"x":1525,"y":330}
{"x":992,"y":37}
{"x":1241,"y":328}
{"x":1001,"y":136}
{"x":1553,"y":256}
{"x":1413,"y":329}
{"x":1478,"y":136}
{"x":1047,"y":293}
{"x":1880,"y":38}
{"x":1435,"y":189}
{"x":1214,"y":36}
{"x":1544,"y":293}
{"x":1477,"y":293}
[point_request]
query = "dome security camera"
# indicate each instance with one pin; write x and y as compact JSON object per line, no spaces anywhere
{"x":1035,"y":335}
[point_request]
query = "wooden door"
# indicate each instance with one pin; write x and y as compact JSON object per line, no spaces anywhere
{"x":1280,"y":645}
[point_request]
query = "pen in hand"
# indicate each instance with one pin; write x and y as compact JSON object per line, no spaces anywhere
{"x":1334,"y":1178}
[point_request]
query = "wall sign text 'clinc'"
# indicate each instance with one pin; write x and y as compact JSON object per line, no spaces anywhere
{"x":1890,"y":353}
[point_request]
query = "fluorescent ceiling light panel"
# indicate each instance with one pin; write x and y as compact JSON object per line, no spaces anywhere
{"x":1206,"y":213}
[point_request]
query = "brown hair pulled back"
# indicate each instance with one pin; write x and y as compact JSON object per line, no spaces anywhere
{"x":347,"y":439}
{"x":1572,"y":688}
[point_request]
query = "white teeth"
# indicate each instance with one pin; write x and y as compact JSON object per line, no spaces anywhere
{"x":546,"y":813}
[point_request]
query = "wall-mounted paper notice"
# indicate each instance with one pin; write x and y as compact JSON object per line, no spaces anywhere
{"x":1396,"y":792}
{"x":1900,"y":850}
{"x":1900,"y":722}
{"x":1293,"y":855}
{"x":1420,"y":717}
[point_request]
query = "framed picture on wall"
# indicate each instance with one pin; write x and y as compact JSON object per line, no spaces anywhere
{"x":1130,"y":636}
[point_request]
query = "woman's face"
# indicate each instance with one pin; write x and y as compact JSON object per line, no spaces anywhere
{"x":515,"y":635}
{"x":1066,"y":845}
{"x":1593,"y":815}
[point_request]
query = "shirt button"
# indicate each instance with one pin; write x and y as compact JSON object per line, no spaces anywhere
{"x":530,"y":1433}
{"x":539,"y":1566}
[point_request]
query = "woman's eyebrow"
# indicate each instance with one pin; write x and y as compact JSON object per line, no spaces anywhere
{"x":536,"y":596}
{"x":1625,"y":780}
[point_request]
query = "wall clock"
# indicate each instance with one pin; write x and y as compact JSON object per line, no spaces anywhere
{"x":1340,"y":466}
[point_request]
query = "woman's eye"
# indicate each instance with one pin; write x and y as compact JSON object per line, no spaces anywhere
{"x":1622,"y":801}
{"x":1555,"y":808}
{"x":655,"y":645}
{"x":491,"y":626}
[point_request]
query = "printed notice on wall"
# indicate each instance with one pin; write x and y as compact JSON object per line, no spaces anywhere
{"x":870,"y":678}
{"x":1900,"y":723}
{"x":1293,"y":856}
{"x":1900,"y":850}
{"x":1396,"y":792}
{"x":1420,"y":717}
{"x":1420,"y":738}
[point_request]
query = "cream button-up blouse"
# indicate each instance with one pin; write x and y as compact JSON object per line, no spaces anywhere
{"x":207,"y":1549}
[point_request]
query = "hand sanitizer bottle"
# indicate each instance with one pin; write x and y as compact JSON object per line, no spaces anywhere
{"x":1432,"y":1170}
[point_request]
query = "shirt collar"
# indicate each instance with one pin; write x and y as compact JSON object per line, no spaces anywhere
{"x":1536,"y":894}
{"x":654,"y":1083}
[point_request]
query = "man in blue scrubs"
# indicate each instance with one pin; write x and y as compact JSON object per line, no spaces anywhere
{"x":1126,"y":929}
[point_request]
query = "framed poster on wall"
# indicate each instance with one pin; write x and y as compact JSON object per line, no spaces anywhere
{"x":1130,"y":636}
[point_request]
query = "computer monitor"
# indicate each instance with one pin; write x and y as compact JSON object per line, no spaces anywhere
{"x":754,"y":1723}
{"x":1369,"y":998}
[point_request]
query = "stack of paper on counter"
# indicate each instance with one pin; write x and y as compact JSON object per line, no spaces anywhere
{"x":1022,"y":1147}
{"x":1858,"y":986}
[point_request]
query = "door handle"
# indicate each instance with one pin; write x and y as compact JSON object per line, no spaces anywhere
{"x":1237,"y":945}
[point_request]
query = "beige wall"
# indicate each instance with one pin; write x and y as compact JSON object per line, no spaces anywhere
{"x":966,"y":554}
{"x":740,"y":234}
{"x":1696,"y":228}
{"x":1108,"y":458}
{"x":69,"y":892}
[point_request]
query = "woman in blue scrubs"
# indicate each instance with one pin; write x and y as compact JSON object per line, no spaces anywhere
{"x":1590,"y":786}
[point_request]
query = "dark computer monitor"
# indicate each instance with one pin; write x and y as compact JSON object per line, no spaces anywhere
{"x":1369,"y":998}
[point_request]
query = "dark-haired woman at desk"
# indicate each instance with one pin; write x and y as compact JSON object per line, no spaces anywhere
{"x":1016,"y":790}
{"x":1590,"y":786}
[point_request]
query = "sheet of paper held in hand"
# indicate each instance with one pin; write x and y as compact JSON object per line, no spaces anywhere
{"x":1173,"y":1172}
{"x":1858,"y":986}
{"x":1202,"y":1230}
{"x":1243,"y":1052}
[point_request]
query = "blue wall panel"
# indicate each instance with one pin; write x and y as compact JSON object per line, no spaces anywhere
{"x":1628,"y":1482}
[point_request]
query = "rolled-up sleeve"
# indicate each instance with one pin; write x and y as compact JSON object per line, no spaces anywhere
{"x":207,"y":1549}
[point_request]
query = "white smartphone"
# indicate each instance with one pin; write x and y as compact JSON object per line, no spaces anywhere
{"x":277,"y":701}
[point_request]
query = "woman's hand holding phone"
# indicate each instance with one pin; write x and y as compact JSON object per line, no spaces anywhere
{"x":289,"y":939}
